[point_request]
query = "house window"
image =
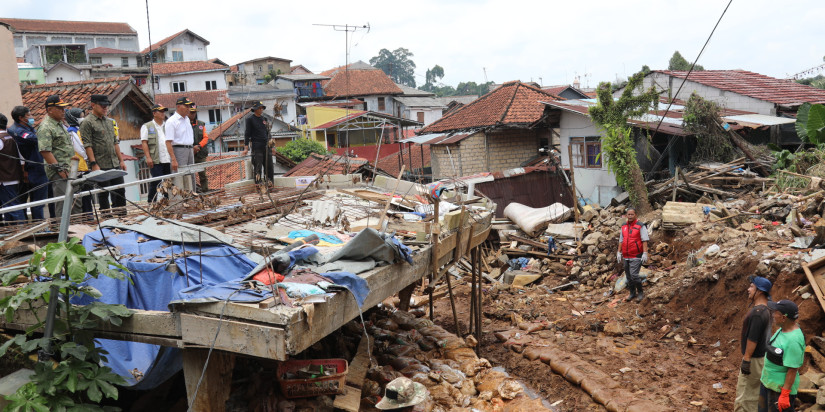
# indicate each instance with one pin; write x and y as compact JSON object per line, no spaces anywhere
{"x":60,"y":80}
{"x":177,"y":55}
{"x":178,"y":87}
{"x":215,"y":116}
{"x":211,"y":85}
{"x":96,"y":60}
{"x":381,"y":105}
{"x":124,"y":62}
{"x":270,"y":67}
{"x":586,"y":152}
{"x":260,"y":68}
{"x":420,"y":116}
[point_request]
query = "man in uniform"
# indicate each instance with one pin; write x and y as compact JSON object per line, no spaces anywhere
{"x":102,"y":150}
{"x":55,"y":146}
{"x":179,"y":141}
{"x":256,"y":135}
{"x":36,"y":184}
{"x":153,"y":140}
{"x":633,"y":253}
{"x":200,"y":148}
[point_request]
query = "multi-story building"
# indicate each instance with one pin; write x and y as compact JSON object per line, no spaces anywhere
{"x":259,"y":71}
{"x":183,"y":46}
{"x":201,"y":81}
{"x":91,"y":34}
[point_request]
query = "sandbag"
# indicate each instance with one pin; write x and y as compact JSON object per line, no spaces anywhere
{"x":533,"y":221}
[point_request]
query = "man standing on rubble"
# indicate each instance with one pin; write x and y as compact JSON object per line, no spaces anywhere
{"x":155,"y":151}
{"x":101,"y":142}
{"x":36,"y":183}
{"x":755,"y":329}
{"x":633,"y":253}
{"x":179,"y":141}
{"x":256,"y":136}
{"x":55,"y":146}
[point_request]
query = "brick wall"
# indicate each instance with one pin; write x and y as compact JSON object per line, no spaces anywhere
{"x":509,"y":149}
{"x":440,"y":162}
{"x":473,"y":155}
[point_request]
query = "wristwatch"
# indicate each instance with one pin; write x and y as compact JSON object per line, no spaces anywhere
{"x":92,"y":163}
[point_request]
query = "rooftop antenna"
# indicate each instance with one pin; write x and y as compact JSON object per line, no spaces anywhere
{"x":347,"y":29}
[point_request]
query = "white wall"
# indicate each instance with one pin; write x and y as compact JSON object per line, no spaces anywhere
{"x":193,"y":49}
{"x":389,"y":104}
{"x":132,"y":192}
{"x":194,"y":81}
{"x":67,"y":74}
{"x":599,"y":185}
{"x":121,"y":42}
{"x":430,"y":115}
{"x":723,"y":98}
{"x":114,"y":59}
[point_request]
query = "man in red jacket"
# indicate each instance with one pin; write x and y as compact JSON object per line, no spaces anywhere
{"x":633,"y":253}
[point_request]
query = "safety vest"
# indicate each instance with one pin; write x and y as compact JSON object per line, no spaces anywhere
{"x":197,"y":131}
{"x":152,"y":141}
{"x":632,"y":240}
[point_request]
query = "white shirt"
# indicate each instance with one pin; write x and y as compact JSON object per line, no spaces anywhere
{"x":179,"y":130}
{"x":163,"y":153}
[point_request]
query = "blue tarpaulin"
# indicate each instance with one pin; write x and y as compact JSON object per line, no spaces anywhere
{"x":153,"y":289}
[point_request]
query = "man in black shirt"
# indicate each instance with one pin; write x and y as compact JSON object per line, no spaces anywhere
{"x":256,"y":136}
{"x":755,"y":329}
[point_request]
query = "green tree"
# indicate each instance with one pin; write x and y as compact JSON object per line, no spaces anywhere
{"x":677,"y":62}
{"x":76,"y":379}
{"x":465,"y":88}
{"x":397,"y":64}
{"x":432,"y":76}
{"x":299,"y":149}
{"x":611,"y":116}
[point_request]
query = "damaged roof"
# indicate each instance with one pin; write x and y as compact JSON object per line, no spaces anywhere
{"x":78,"y":94}
{"x":410,"y":157}
{"x":327,"y":165}
{"x":758,"y":86}
{"x":512,"y":104}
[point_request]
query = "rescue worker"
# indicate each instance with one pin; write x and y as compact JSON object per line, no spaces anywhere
{"x":155,"y":152}
{"x":35,"y":182}
{"x":179,"y":141}
{"x":100,"y":139}
{"x":256,"y":136}
{"x":633,"y":253}
{"x":55,"y":146}
{"x":200,"y":148}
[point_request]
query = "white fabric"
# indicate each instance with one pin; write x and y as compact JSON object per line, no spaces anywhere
{"x":179,"y":130}
{"x":77,"y":144}
{"x":163,"y":152}
{"x":532,"y":221}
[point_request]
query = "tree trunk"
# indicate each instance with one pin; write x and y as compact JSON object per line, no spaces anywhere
{"x":637,"y":189}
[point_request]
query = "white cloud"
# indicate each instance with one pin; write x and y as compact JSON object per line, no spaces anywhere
{"x":512,"y":39}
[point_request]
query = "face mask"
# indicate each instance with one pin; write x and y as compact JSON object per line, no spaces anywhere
{"x":31,"y":122}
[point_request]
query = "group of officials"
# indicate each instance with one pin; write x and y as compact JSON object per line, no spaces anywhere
{"x":35,"y":161}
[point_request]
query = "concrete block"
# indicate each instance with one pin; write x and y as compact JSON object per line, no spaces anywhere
{"x":10,"y":383}
{"x":451,"y":220}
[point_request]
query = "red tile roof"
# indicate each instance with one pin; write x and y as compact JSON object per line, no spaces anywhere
{"x":512,"y":104}
{"x":299,"y":69}
{"x":346,"y":83}
{"x":389,"y":163}
{"x":77,"y":94}
{"x":170,"y":38}
{"x":65,"y":26}
{"x":203,"y":98}
{"x":186,"y":67}
{"x":218,"y":131}
{"x":758,"y":86}
{"x":328,"y":165}
{"x":221,"y":175}
{"x":106,"y":50}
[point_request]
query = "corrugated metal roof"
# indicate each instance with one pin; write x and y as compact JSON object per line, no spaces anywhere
{"x":758,"y":119}
{"x":758,"y":86}
{"x":420,"y":101}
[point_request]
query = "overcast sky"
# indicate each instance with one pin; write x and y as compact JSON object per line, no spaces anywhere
{"x":545,"y":41}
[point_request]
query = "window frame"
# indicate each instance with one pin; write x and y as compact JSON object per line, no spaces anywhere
{"x":211,"y":84}
{"x":124,"y":62}
{"x":215,"y":116}
{"x":96,"y":60}
{"x":175,"y":52}
{"x":181,"y":86}
{"x":420,"y":116}
{"x":382,"y":104}
{"x":587,"y":152}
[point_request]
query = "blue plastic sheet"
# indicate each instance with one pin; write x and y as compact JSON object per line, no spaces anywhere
{"x":153,"y":289}
{"x":300,"y":234}
{"x":356,"y":284}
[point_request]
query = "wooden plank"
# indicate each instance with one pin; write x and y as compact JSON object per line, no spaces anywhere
{"x":351,"y":399}
{"x":214,"y":389}
{"x":235,"y":336}
{"x":341,"y":308}
{"x":809,"y":268}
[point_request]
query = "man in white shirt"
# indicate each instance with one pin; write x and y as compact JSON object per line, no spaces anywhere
{"x":179,"y":141}
{"x":153,"y":140}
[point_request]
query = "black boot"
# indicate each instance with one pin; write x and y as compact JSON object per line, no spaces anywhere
{"x":632,"y":288}
{"x":639,"y":294}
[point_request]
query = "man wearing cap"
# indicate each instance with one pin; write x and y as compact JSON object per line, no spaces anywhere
{"x":256,"y":135}
{"x":200,"y":148}
{"x":153,"y":140}
{"x":102,"y":150}
{"x":633,"y":253}
{"x":55,"y":146}
{"x":11,"y":173}
{"x":755,"y":330}
{"x":36,"y":183}
{"x":783,"y":358}
{"x":179,"y":141}
{"x":403,"y":394}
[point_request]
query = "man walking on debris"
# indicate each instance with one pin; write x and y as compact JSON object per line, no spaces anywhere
{"x":755,"y":330}
{"x":200,"y":147}
{"x":633,"y":253}
{"x":256,"y":136}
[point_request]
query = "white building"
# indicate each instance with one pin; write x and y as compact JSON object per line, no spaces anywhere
{"x":64,"y":73}
{"x":183,"y":46}
{"x":202,"y":82}
{"x":91,"y":34}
